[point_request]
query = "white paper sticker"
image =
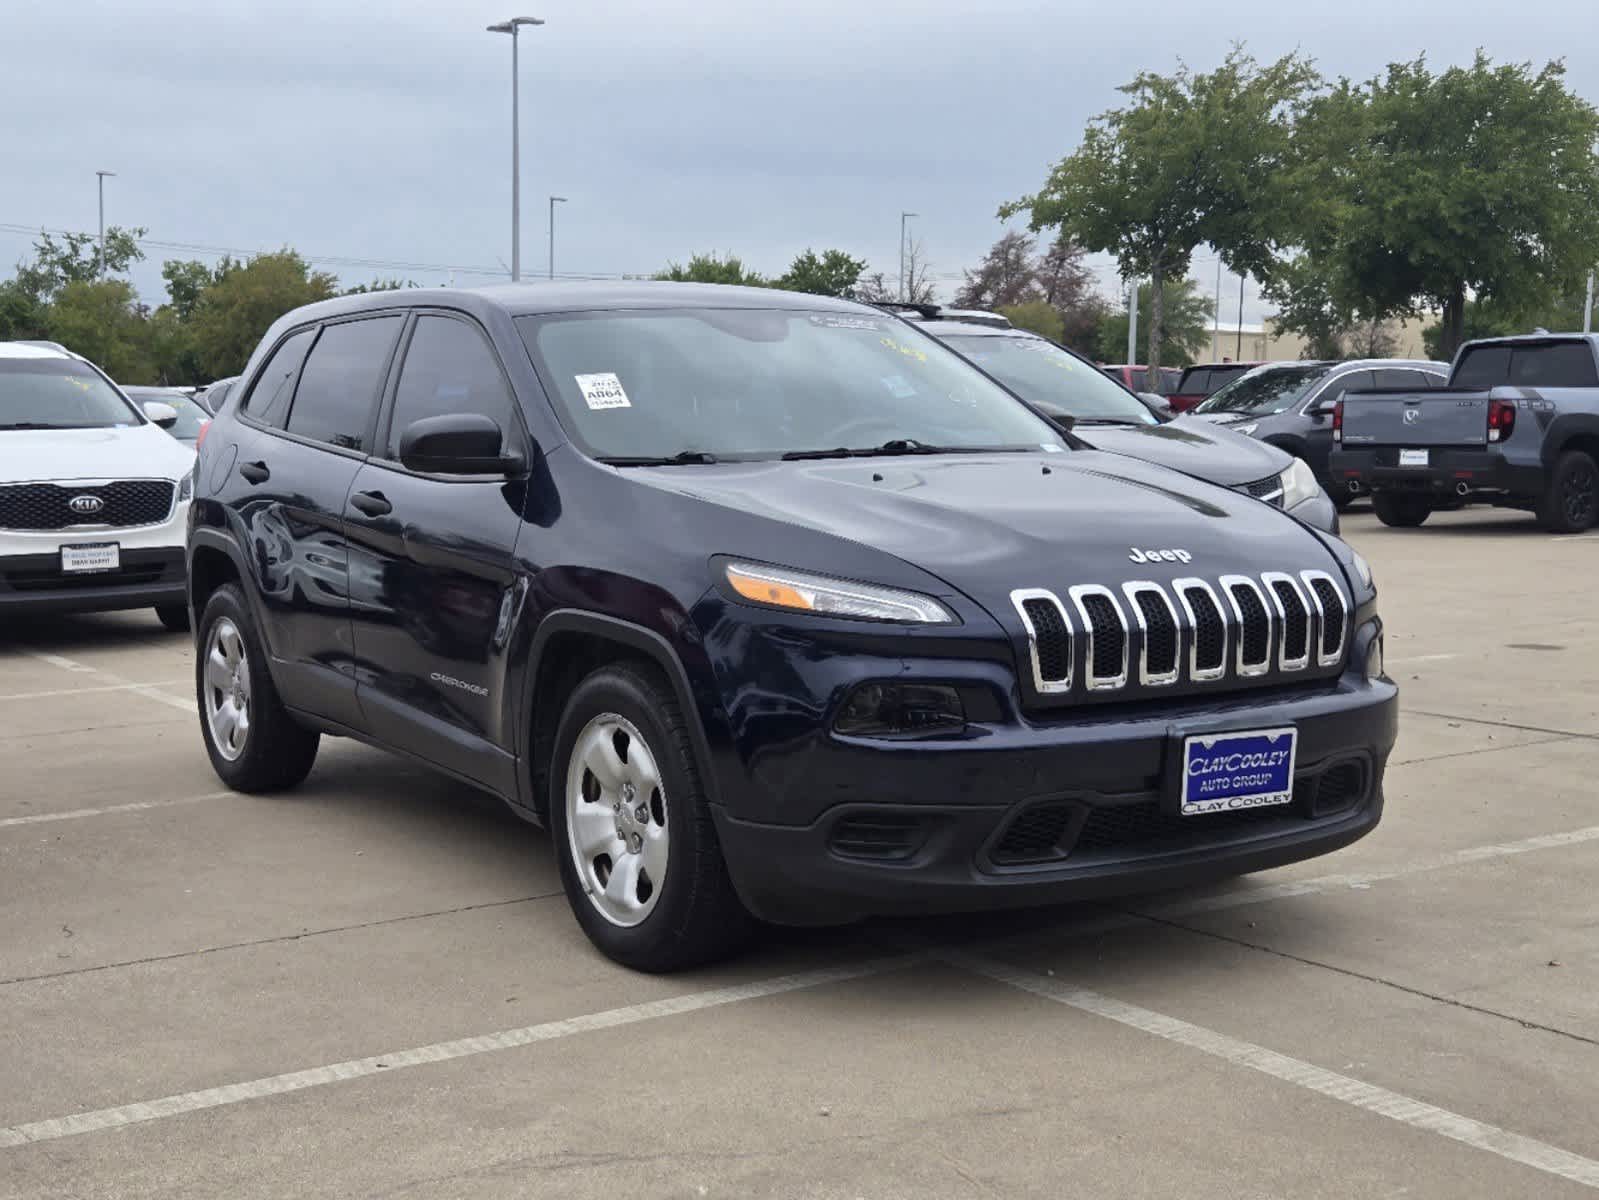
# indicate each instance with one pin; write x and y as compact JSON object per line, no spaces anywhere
{"x":603,"y":391}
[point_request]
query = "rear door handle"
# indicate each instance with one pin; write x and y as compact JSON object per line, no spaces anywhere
{"x":373,"y":504}
{"x":255,"y":472}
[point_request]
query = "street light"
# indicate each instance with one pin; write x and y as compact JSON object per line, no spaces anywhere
{"x":903,"y":217}
{"x":99,"y":269}
{"x":511,"y":28}
{"x":554,"y":200}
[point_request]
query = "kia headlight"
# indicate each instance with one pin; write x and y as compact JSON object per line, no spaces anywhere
{"x":1298,"y":483}
{"x":186,"y":486}
{"x":779,"y":587}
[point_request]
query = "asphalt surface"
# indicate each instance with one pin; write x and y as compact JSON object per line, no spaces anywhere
{"x":372,"y":986}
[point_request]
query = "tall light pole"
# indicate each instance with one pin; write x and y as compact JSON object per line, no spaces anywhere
{"x":554,"y":200}
{"x":99,"y":269}
{"x":903,"y":217}
{"x":511,"y":27}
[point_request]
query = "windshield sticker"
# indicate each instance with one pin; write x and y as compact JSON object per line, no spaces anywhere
{"x":907,"y":351}
{"x":899,"y":387}
{"x":843,"y":321}
{"x":603,"y":391}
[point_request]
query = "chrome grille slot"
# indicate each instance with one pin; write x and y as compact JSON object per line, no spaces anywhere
{"x":1293,"y":617}
{"x":1207,"y":652}
{"x":1049,"y":638}
{"x":1332,"y":616}
{"x":1105,"y":657}
{"x":1254,"y":624}
{"x":1160,"y":653}
{"x":1269,"y":489}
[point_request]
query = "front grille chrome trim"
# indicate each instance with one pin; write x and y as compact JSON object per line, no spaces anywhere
{"x":1133,"y":590}
{"x":1284,"y":663}
{"x":1018,"y":599}
{"x":1245,"y":668}
{"x":1093,"y":681}
{"x":1195,"y":673}
{"x":1337,"y":655}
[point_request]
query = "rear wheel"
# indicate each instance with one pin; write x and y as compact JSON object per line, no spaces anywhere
{"x":174,"y":617}
{"x":1342,"y":495}
{"x":1400,"y":509}
{"x":1570,"y":503}
{"x":253,"y":742}
{"x":638,"y":852}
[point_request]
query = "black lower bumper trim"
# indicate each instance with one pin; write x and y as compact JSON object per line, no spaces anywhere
{"x":34,"y":583}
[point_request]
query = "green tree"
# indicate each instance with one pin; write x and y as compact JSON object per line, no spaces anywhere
{"x":1479,"y":182}
{"x":1007,"y":276}
{"x":1070,"y":289}
{"x":1037,"y":316}
{"x":1188,"y":317}
{"x":712,"y":268}
{"x":99,"y":321}
{"x":832,"y":273}
{"x":22,"y":314}
{"x":76,"y":259}
{"x":1193,"y":159}
{"x":187,"y":279}
{"x":233,"y":313}
{"x":392,"y":284}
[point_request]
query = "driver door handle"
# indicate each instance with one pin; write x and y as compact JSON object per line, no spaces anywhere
{"x":373,"y":504}
{"x":255,"y":472}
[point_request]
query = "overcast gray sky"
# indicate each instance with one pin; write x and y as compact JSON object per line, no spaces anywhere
{"x":381,"y":131}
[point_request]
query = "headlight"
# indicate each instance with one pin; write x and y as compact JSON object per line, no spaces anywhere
{"x":1362,"y":568}
{"x":1299,"y":483}
{"x":186,"y":487}
{"x":778,"y":587}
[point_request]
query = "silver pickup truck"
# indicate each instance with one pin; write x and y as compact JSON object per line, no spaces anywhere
{"x":1517,"y":426}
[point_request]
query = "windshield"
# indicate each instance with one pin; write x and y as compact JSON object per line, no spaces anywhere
{"x":58,"y":393}
{"x":1043,"y":374}
{"x":698,"y":384}
{"x":1270,"y":391}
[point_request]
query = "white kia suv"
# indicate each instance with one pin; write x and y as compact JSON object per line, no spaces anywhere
{"x":94,"y":495}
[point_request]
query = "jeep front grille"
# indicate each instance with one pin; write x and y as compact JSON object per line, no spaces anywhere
{"x":1190,"y":631}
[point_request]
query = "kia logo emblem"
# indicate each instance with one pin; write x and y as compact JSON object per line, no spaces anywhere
{"x":86,"y":506}
{"x":1412,"y":415}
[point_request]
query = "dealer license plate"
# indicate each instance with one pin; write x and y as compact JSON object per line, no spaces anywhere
{"x":1412,"y":458}
{"x":1226,"y":772}
{"x":100,"y":556}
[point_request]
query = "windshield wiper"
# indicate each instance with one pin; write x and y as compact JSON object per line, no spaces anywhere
{"x":681,"y":458}
{"x":898,"y":446}
{"x":40,"y":425}
{"x":1105,"y":421}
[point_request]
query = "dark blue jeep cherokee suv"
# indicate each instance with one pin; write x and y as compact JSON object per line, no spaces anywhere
{"x":767,"y":606}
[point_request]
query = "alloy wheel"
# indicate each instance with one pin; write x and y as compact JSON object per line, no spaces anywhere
{"x":1579,"y":496}
{"x":227,"y":689}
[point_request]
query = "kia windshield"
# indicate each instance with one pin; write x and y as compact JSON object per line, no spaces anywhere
{"x":1059,"y":383}
{"x":639,"y":387}
{"x":1273,"y":390}
{"x":58,"y":393}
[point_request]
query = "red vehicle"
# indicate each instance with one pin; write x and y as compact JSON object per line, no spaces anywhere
{"x":1199,"y":381}
{"x":1136,"y":379}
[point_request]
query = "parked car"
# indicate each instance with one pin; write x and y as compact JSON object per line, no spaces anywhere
{"x":1136,"y":379}
{"x":93,"y":493}
{"x":1068,"y":389}
{"x":1198,"y":383}
{"x":1291,"y":405}
{"x":192,"y":414}
{"x":1516,"y":426}
{"x":214,"y":395}
{"x":768,"y":605}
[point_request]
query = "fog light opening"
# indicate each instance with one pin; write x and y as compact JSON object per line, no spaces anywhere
{"x":878,"y":709}
{"x":1374,"y":663}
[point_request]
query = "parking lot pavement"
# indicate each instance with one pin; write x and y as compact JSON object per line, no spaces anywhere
{"x":371,"y":986}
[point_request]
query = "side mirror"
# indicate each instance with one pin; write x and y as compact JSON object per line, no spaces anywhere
{"x":457,"y":444}
{"x":1323,"y":408}
{"x":163,"y":415}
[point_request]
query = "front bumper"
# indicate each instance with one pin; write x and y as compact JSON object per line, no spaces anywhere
{"x":1102,"y":779}
{"x":151,"y":572}
{"x":1451,"y":473}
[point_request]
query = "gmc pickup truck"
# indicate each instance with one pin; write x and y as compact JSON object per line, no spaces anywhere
{"x":1517,"y":427}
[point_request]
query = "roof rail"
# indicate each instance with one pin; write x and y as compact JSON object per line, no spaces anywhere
{"x":927,"y":311}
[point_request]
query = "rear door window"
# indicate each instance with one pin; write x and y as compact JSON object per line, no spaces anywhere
{"x":1196,"y":383}
{"x":450,"y":368}
{"x":1553,"y":365}
{"x":269,"y":399}
{"x":1353,"y":381}
{"x":1484,"y":367}
{"x":337,"y":396}
{"x":1394,"y":377}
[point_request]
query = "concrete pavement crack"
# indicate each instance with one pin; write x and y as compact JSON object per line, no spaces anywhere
{"x":1565,"y":733}
{"x":268,"y":941}
{"x":1427,"y":758}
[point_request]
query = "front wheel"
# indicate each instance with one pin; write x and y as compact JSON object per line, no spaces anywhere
{"x":639,"y":857}
{"x":1400,"y":510}
{"x":1570,"y":503}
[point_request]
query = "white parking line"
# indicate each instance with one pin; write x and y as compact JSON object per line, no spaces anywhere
{"x":138,"y":806}
{"x":1343,"y":1088}
{"x":84,"y":691}
{"x":509,"y":1039}
{"x":148,"y":690}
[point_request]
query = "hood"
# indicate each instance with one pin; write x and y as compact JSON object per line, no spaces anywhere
{"x":1193,"y":446}
{"x":989,"y":523}
{"x":135,"y":452}
{"x":1225,"y":418}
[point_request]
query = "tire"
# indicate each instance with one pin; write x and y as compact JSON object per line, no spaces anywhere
{"x":1570,"y":503}
{"x":174,"y":617}
{"x":625,"y":720}
{"x":1400,"y":510}
{"x":273,"y":751}
{"x":1342,"y":497}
